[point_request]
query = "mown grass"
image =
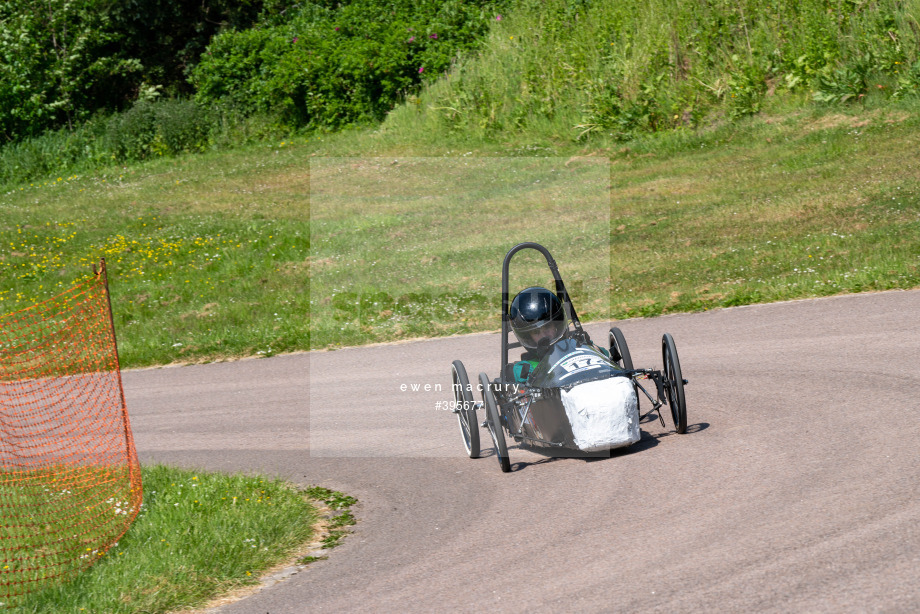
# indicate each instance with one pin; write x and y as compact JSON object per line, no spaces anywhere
{"x":801,"y":203}
{"x":413,"y":247}
{"x":206,"y":255}
{"x":811,"y":205}
{"x":197,"y":535}
{"x":214,"y":256}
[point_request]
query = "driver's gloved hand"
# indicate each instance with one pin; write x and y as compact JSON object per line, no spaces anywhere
{"x":522,"y":370}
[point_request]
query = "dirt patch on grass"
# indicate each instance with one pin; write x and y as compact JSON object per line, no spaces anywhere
{"x":835,"y":120}
{"x":839,"y":120}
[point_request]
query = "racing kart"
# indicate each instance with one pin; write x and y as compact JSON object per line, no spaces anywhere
{"x":579,"y":397}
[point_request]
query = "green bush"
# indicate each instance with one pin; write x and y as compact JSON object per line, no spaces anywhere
{"x":844,"y":83}
{"x":64,"y":61}
{"x":327,"y":68}
{"x":151,"y":129}
{"x":746,"y":89}
{"x":55,"y":64}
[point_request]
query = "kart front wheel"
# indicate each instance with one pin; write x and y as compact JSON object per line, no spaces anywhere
{"x":493,"y":419}
{"x":674,"y":383}
{"x":619,"y":351}
{"x":619,"y":354}
{"x":466,"y":411}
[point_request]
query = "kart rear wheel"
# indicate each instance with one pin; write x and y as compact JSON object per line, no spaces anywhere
{"x":493,"y":418}
{"x":619,"y":351}
{"x":466,"y":412}
{"x":674,"y":383}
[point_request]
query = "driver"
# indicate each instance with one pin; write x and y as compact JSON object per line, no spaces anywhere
{"x":538,"y":321}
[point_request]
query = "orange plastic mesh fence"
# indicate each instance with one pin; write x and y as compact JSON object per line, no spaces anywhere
{"x":70,"y":482}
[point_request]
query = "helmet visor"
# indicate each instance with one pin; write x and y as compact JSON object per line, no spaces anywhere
{"x":533,"y":335}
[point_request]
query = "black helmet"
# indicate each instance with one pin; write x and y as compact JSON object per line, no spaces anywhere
{"x":537,"y":318}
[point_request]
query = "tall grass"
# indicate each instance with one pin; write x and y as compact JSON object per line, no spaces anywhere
{"x":562,"y":71}
{"x":151,"y":129}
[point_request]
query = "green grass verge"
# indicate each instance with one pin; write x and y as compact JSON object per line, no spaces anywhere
{"x":198,"y":535}
{"x":55,"y":521}
{"x":214,"y":256}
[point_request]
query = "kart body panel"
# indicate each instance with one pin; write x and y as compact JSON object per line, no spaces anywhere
{"x":574,"y":398}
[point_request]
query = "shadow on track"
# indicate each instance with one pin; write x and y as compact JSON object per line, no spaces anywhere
{"x":646,"y":442}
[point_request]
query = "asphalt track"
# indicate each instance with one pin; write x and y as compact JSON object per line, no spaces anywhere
{"x":796,"y":489}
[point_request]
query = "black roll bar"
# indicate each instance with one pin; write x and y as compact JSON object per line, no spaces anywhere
{"x":506,"y":300}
